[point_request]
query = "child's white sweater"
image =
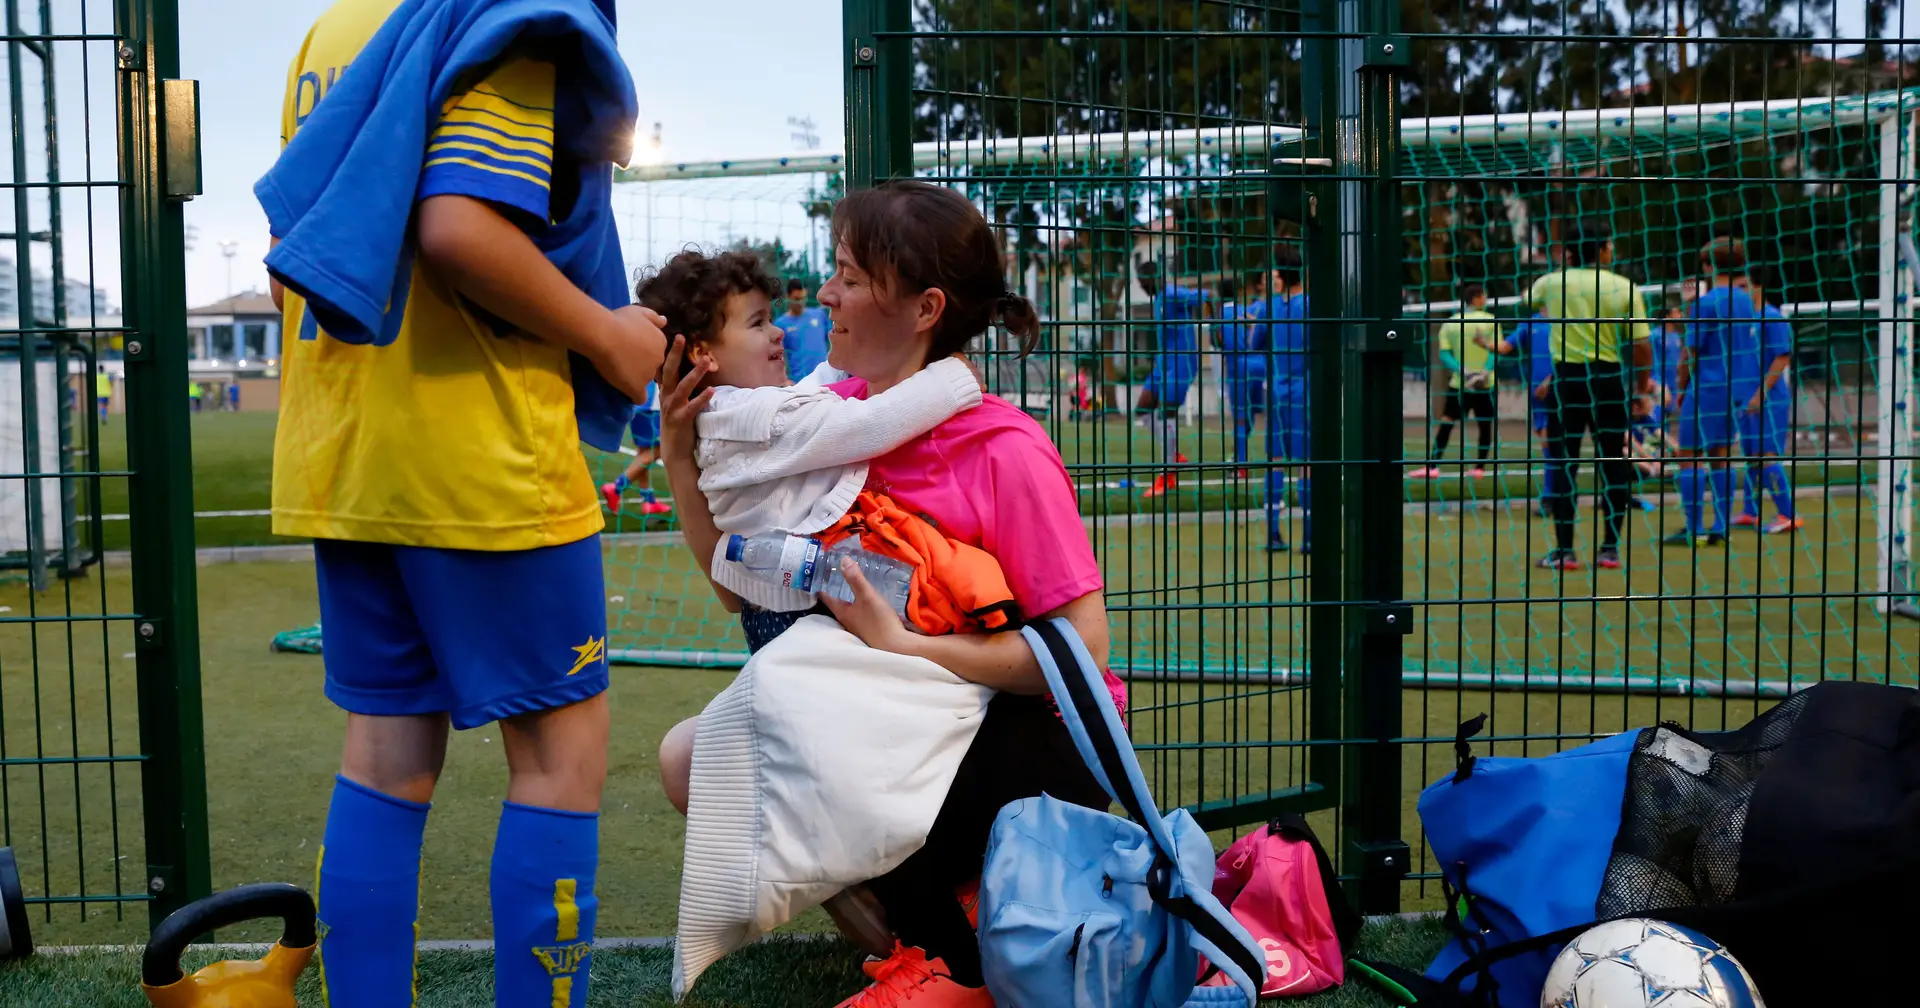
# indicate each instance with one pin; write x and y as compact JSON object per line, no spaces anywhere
{"x":794,"y":458}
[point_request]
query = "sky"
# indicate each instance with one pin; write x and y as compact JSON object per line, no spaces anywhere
{"x":718,"y":87}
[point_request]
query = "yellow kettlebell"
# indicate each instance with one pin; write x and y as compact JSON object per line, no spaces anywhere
{"x":261,"y":983}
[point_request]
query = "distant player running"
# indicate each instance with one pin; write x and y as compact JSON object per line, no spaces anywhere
{"x":1766,"y":420}
{"x":1719,"y":374}
{"x":452,"y":349}
{"x":1178,"y":309}
{"x":1465,"y":351}
{"x":645,"y":428}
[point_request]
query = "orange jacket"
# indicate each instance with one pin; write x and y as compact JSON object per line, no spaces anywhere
{"x":956,"y":588}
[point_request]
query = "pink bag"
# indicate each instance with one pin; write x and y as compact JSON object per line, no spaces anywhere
{"x":1278,"y":882}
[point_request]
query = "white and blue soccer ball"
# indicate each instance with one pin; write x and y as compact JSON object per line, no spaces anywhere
{"x":1642,"y":963}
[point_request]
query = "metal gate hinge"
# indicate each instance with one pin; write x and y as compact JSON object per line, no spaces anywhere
{"x":1386,"y":52}
{"x":1385,"y":859}
{"x":1379,"y":337}
{"x":1389,"y":620}
{"x":149,"y":634}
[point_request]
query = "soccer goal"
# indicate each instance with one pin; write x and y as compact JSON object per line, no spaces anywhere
{"x":1819,"y":189}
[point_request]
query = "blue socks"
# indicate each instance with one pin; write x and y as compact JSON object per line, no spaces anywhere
{"x":1722,"y":478}
{"x":1774,"y":476}
{"x":1276,"y":499}
{"x":544,"y":907}
{"x":621,"y":483}
{"x":369,"y":895}
{"x":1691,"y":482}
{"x":1306,"y":509}
{"x":1241,"y":432}
{"x":1750,"y":492}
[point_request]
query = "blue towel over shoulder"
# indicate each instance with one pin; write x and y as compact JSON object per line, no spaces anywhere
{"x":341,"y":196}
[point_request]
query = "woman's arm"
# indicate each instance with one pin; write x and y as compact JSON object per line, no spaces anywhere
{"x":679,"y":408}
{"x":1002,"y":661}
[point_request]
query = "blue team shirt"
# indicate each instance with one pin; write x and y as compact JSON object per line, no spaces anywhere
{"x":805,"y":340}
{"x":1723,"y":332}
{"x":1179,"y":304}
{"x":1668,"y":347}
{"x":1534,"y":338}
{"x":1284,"y":337}
{"x":1245,"y":362}
{"x":1776,"y":337}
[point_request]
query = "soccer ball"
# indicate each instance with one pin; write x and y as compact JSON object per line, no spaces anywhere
{"x":1647,"y":964}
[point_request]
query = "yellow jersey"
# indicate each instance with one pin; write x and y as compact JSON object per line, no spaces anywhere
{"x":1456,"y":338}
{"x":1604,"y":312}
{"x":459,"y":434}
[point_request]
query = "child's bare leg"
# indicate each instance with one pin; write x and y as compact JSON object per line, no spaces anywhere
{"x":676,"y":762}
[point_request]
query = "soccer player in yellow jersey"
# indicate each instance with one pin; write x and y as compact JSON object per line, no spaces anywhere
{"x":456,"y":535}
{"x":1600,"y":353}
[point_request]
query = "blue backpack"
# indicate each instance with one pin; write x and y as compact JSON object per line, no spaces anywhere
{"x":1522,"y":845}
{"x":1085,"y":909}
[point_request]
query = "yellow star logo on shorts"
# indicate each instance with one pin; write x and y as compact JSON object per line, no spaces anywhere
{"x":594,"y":650}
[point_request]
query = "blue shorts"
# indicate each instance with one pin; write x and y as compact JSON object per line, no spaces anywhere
{"x":1247,"y":396}
{"x":645,"y":427}
{"x":475,"y":635}
{"x":1704,"y":421}
{"x":1173,"y":374}
{"x":1288,"y":438}
{"x":1765,"y":432}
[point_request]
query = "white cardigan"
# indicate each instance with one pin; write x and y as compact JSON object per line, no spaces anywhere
{"x":793,"y":458}
{"x":824,"y":764}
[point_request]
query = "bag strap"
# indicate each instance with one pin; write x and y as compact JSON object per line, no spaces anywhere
{"x":1086,"y":707}
{"x":1346,"y":920}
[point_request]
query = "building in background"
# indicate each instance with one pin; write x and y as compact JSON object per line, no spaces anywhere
{"x":241,"y":331}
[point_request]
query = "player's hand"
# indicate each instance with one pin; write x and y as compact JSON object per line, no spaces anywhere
{"x":1754,"y":404}
{"x":1540,"y":391}
{"x":629,"y":351}
{"x":1642,"y":407}
{"x":868,"y":616}
{"x":680,"y":403}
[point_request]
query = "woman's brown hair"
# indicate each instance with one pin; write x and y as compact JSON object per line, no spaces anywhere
{"x":914,"y":236}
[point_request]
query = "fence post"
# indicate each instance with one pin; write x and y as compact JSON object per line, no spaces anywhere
{"x":1356,"y":246}
{"x":879,"y":91}
{"x":160,"y":491}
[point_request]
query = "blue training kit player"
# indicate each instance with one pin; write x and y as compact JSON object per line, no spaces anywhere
{"x":1763,"y":431}
{"x":1723,"y":364}
{"x":806,"y":335}
{"x":1246,"y":370}
{"x":1174,"y":367}
{"x":1284,"y":338}
{"x":1533,"y":339}
{"x":645,"y":429}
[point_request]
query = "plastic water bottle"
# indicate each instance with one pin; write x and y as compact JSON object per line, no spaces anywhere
{"x":804,"y":564}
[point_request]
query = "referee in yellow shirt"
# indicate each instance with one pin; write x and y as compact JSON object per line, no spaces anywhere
{"x":1600,"y":357}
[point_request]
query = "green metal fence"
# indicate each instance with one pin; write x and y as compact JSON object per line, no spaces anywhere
{"x":102,"y":792}
{"x":1402,"y":156}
